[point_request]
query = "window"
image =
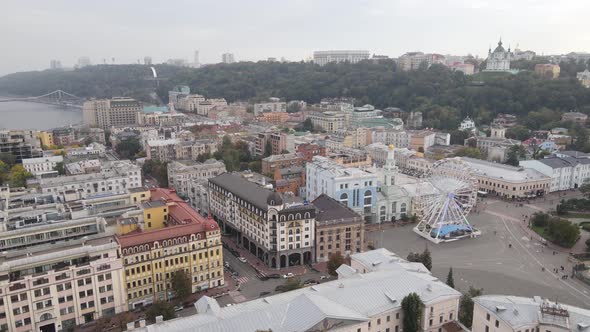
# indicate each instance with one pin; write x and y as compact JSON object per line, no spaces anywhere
{"x":487,"y":329}
{"x":488,"y":317}
{"x":497,"y":323}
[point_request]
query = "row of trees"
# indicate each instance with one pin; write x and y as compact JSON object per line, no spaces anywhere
{"x":236,"y":156}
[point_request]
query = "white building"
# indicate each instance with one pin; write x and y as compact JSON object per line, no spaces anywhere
{"x":499,"y":59}
{"x":279,"y":230}
{"x":353,"y":187}
{"x":467,"y":124}
{"x":566,"y":172}
{"x":393,"y":202}
{"x":366,"y":297}
{"x":584,"y":78}
{"x":38,"y":166}
{"x":324,"y":57}
{"x":272,"y":105}
{"x":180,"y":173}
{"x":228,"y":58}
{"x":115,"y":176}
{"x":504,"y":313}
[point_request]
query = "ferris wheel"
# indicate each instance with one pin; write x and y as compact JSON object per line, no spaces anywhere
{"x":443,"y":210}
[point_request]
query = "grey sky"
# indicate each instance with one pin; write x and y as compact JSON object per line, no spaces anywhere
{"x":34,"y":32}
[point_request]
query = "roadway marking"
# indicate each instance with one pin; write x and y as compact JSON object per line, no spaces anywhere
{"x":539,"y":262}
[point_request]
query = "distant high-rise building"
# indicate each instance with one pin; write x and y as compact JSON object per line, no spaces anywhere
{"x":177,"y":62}
{"x":324,"y":57}
{"x":196,"y":62}
{"x":105,"y":113}
{"x":147,"y":60}
{"x":83,"y":61}
{"x":55,"y":64}
{"x":227,"y":58}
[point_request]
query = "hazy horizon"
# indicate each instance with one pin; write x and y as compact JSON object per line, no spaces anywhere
{"x":65,"y":30}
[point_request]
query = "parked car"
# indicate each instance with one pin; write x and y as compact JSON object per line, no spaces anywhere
{"x":264,"y":294}
{"x":323,"y":277}
{"x":226,"y":264}
{"x":242,"y":259}
{"x":235,"y":273}
{"x":274,"y":276}
{"x":279,"y":288}
{"x":310,"y":282}
{"x":288,"y":275}
{"x":178,"y":308}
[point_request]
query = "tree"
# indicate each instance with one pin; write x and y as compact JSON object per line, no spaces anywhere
{"x":458,"y":137}
{"x":128,"y":148}
{"x":518,"y":132}
{"x":585,"y":188}
{"x":466,"y":306}
{"x":334,"y":262}
{"x":292,"y":284}
{"x":181,"y":284}
{"x":423,"y":258}
{"x":59,"y":167}
{"x":164,"y":309}
{"x":426,"y":259}
{"x":158,"y":170}
{"x":18,"y":176}
{"x":293,"y":108}
{"x":412,"y":309}
{"x":307,"y":125}
{"x":450,"y":279}
{"x":515,"y":154}
{"x":267,"y":148}
{"x":4,"y":172}
{"x":7,"y":158}
{"x":469,"y":152}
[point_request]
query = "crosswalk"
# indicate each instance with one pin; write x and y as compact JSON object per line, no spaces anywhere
{"x":242,"y":280}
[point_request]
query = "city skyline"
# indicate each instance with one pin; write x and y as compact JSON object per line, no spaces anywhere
{"x":67,"y":30}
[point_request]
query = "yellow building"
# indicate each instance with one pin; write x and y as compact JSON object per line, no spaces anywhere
{"x":46,"y":138}
{"x":155,"y":214}
{"x":548,"y":70}
{"x":178,"y":239}
{"x":139,"y":195}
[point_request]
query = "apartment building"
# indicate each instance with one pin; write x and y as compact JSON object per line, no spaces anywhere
{"x":565,"y":172}
{"x":177,"y":149}
{"x":356,"y":302}
{"x":548,"y":70}
{"x":575,"y":117}
{"x":114,"y":176}
{"x":504,"y":313}
{"x":310,"y":150}
{"x":22,"y":144}
{"x":279,"y":142}
{"x":42,"y":165}
{"x":353,"y":187}
{"x":413,"y":60}
{"x":278,"y":161}
{"x":338,"y":229}
{"x":105,"y":113}
{"x":330,"y":121}
{"x":353,"y":56}
{"x":509,"y":181}
{"x":272,"y":105}
{"x":56,"y":287}
{"x":278,"y":229}
{"x":176,"y":239}
{"x":273,"y":117}
{"x":46,"y":138}
{"x":181,"y":172}
{"x":421,"y":140}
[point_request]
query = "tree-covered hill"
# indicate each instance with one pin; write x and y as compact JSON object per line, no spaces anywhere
{"x":443,"y":95}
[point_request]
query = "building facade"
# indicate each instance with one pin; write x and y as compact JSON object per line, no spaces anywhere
{"x":353,"y":187}
{"x":565,"y":172}
{"x":22,"y":144}
{"x":37,"y":166}
{"x":105,"y":113}
{"x":277,"y":229}
{"x":278,"y":161}
{"x":330,"y":121}
{"x":181,"y":173}
{"x":61,"y":286}
{"x":499,"y":59}
{"x":338,"y":229}
{"x":548,"y":70}
{"x":324,"y":57}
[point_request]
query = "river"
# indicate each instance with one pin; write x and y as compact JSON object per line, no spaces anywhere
{"x":25,"y":115}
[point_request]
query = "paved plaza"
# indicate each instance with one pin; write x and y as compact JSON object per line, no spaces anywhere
{"x":488,"y":262}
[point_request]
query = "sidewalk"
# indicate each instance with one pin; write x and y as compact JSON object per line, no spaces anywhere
{"x":258,"y":265}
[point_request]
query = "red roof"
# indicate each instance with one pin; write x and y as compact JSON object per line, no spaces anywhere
{"x":186,"y":221}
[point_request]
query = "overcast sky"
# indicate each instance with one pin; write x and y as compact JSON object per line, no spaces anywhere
{"x":34,"y":32}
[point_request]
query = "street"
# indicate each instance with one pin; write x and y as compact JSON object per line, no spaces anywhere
{"x":507,"y":259}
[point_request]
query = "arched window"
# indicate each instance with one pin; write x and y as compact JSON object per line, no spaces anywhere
{"x":307,"y":215}
{"x":382,"y":213}
{"x":298,"y":216}
{"x":45,"y":316}
{"x":368,"y":196}
{"x":402,"y":208}
{"x":290,"y":217}
{"x":282,"y":218}
{"x":344,"y":199}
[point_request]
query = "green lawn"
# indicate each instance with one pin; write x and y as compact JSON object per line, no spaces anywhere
{"x":577,"y":215}
{"x":541,"y":231}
